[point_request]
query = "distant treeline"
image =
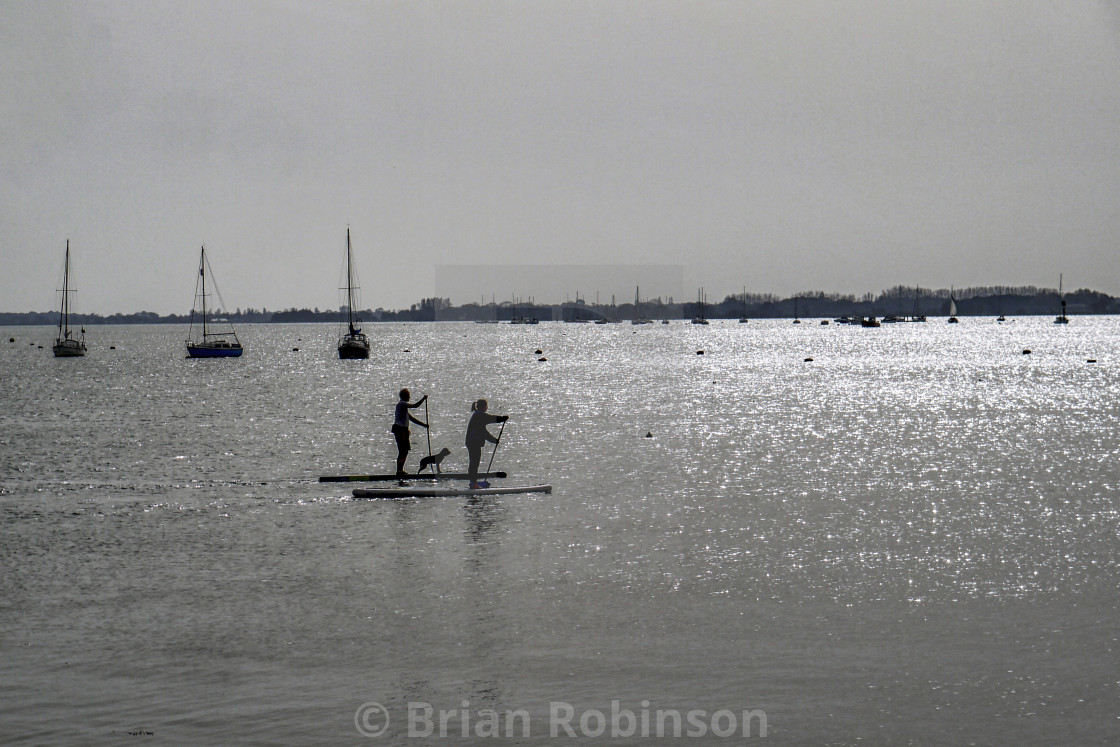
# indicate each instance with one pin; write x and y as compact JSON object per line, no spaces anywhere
{"x":899,"y":301}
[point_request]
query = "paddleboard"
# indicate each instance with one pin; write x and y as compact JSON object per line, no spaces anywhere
{"x":430,"y":491}
{"x":422,"y":476}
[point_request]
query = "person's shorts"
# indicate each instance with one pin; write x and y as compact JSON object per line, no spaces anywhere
{"x":403,"y":443}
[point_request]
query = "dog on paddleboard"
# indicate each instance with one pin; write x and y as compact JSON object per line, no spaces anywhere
{"x":435,"y":460}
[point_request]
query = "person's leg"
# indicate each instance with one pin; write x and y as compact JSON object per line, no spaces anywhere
{"x":474,"y":454}
{"x":402,"y":449}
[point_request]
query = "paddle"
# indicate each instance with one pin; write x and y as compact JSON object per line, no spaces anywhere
{"x":501,"y":430}
{"x":428,"y":430}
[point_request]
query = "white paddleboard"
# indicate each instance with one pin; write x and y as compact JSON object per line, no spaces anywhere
{"x":431,"y":491}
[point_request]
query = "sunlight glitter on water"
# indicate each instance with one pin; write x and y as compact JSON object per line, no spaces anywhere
{"x":783,"y":518}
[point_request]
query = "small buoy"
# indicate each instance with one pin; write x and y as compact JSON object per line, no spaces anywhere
{"x":1027,"y":351}
{"x":295,"y":350}
{"x":808,"y":360}
{"x":538,"y":351}
{"x":1091,"y":360}
{"x":649,"y":434}
{"x":112,"y":347}
{"x":11,"y":339}
{"x":542,"y":359}
{"x":407,"y":350}
{"x":699,"y":352}
{"x":40,"y":347}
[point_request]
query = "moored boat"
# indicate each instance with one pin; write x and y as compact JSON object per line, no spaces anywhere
{"x":1061,"y":318}
{"x":700,"y":318}
{"x":216,"y":338}
{"x":353,"y":345}
{"x":66,"y":345}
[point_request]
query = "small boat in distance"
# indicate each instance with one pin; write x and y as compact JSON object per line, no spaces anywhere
{"x":952,"y":308}
{"x":353,"y":345}
{"x":639,"y":318}
{"x":1061,"y":318}
{"x":210,"y":343}
{"x":916,"y":317}
{"x":700,"y":318}
{"x":66,"y":346}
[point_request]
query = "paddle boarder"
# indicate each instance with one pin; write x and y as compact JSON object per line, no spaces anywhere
{"x":477,"y":436}
{"x":400,"y":426}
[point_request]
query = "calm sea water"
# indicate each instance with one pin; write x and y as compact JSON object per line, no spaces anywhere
{"x":911,"y":539}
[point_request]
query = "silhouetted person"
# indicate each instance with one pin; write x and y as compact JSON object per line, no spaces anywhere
{"x":477,"y":436}
{"x":400,"y":427}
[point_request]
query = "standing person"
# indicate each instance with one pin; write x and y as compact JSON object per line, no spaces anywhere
{"x":477,"y":436}
{"x":400,"y":427}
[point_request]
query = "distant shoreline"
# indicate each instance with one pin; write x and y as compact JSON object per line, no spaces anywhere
{"x":898,"y":301}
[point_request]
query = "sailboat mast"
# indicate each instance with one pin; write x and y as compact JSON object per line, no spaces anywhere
{"x":202,"y":274}
{"x":349,"y":284}
{"x":64,"y":317}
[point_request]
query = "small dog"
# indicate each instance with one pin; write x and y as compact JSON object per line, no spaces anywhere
{"x":435,"y":460}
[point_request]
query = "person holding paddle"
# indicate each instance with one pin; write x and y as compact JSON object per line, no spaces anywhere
{"x":477,"y":436}
{"x":400,"y":426}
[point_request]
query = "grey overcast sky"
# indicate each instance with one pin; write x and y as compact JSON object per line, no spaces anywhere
{"x":778,"y":146}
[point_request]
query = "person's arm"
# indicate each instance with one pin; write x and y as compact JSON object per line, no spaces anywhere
{"x":418,"y":422}
{"x":418,"y":402}
{"x":494,"y":419}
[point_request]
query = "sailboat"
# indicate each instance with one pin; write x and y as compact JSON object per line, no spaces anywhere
{"x":353,"y":345}
{"x":638,"y":318}
{"x":66,"y":346}
{"x":796,"y":317}
{"x":211,"y":343}
{"x":1061,"y":318}
{"x":699,"y":318}
{"x":952,"y":308}
{"x":916,"y":317}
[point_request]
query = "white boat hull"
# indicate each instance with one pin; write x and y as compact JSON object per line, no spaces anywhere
{"x":427,"y":491}
{"x":69,"y":349}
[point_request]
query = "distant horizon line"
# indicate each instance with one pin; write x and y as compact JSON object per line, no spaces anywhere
{"x":897,"y":292}
{"x":974,"y":301}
